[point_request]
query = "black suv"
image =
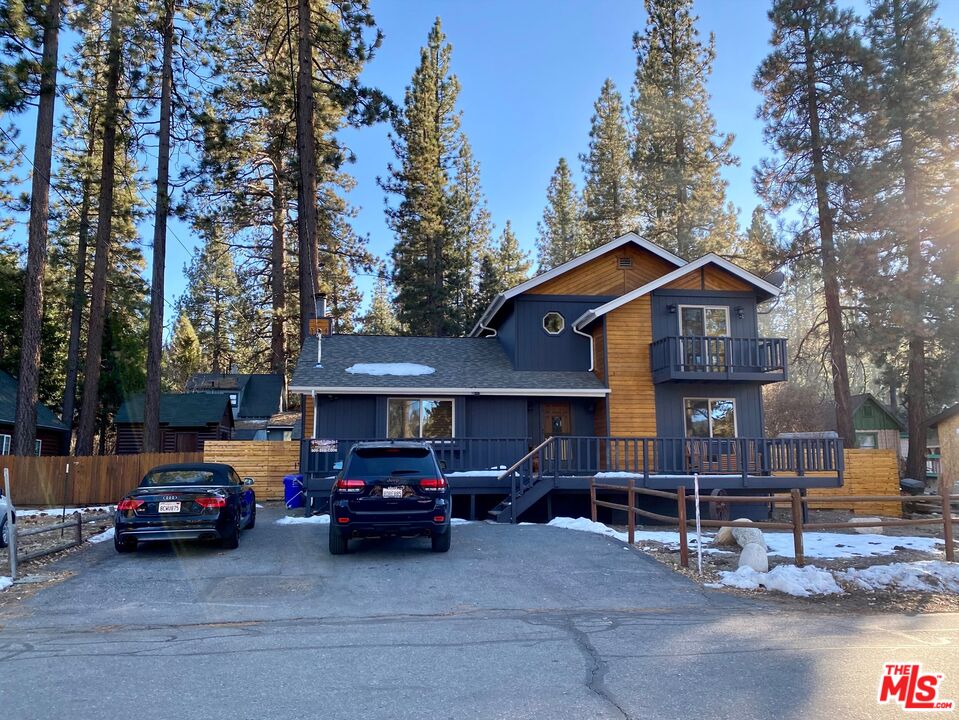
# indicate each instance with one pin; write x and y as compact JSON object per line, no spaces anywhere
{"x":390,"y":488}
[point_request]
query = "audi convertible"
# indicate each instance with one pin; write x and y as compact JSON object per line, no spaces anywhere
{"x":195,"y":501}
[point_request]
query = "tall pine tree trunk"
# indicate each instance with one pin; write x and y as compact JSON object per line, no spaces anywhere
{"x":278,"y":263}
{"x":91,"y":373}
{"x":306,"y":149}
{"x":25,"y":422}
{"x":78,"y":302}
{"x":830,"y":270}
{"x":151,"y":403}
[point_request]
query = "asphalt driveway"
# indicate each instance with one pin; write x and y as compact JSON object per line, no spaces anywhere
{"x":514,"y":622}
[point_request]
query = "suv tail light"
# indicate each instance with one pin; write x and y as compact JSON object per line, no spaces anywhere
{"x":210,"y":502}
{"x":433,"y":484}
{"x":129,"y":504}
{"x":350,"y":486}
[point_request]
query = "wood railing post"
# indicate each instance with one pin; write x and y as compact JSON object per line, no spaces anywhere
{"x":681,"y":515}
{"x":592,"y":498}
{"x":631,"y":504}
{"x":947,"y":521}
{"x":797,"y":527}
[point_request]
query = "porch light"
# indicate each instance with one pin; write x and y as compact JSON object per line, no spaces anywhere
{"x":739,"y":311}
{"x":671,"y":308}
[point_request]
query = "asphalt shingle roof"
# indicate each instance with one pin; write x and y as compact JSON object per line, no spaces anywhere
{"x":8,"y":406}
{"x":460,"y":363}
{"x":261,"y":396}
{"x":177,"y":409}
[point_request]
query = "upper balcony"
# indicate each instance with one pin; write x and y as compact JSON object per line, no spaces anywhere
{"x":694,"y":357}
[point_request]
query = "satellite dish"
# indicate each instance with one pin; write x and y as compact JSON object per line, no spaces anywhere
{"x":777,"y":278}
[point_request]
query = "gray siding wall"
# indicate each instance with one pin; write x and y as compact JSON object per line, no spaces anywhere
{"x":670,"y":419}
{"x":538,"y":350}
{"x":495,"y":417}
{"x":346,"y":416}
{"x":666,"y":323}
{"x":506,"y":334}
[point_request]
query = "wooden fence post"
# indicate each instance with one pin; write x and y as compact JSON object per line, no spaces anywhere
{"x":797,"y":526}
{"x":631,"y":503}
{"x":681,"y":514}
{"x":947,"y":522}
{"x":592,"y":498}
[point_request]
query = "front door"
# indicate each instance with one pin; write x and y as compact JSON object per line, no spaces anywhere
{"x":557,"y":421}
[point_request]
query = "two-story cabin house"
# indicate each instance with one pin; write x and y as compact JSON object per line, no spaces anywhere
{"x":627,"y":361}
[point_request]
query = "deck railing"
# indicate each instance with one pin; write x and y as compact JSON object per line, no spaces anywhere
{"x":724,"y":357}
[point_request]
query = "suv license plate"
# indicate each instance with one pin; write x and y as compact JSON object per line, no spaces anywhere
{"x":393,"y":492}
{"x":169,"y":507}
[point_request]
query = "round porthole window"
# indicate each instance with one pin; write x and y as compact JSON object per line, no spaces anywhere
{"x":553,"y":323}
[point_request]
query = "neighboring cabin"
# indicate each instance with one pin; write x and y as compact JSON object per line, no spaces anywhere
{"x":187,"y":421}
{"x":255,"y":399}
{"x":53,"y":437}
{"x":877,"y":425}
{"x":943,"y":447}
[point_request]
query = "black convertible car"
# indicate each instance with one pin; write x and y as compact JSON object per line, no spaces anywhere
{"x":192,"y":501}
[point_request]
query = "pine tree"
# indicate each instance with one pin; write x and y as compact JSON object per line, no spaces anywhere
{"x":758,"y":250}
{"x":560,"y":235}
{"x":678,"y":155}
{"x":182,"y":356}
{"x":513,"y":263}
{"x":381,"y":318}
{"x":909,"y":263}
{"x":608,"y":194}
{"x":807,"y":82}
{"x":427,"y":265}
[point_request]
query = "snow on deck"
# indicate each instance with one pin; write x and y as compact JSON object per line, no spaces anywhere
{"x":390,"y":369}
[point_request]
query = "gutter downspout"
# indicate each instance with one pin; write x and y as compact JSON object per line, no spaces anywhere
{"x":590,"y":338}
{"x":487,"y":329}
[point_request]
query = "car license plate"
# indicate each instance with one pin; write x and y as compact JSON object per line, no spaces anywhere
{"x":169,"y":507}
{"x":393,"y":492}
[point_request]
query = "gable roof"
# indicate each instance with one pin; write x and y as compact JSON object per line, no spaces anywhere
{"x":944,"y":415}
{"x":859,"y":400}
{"x":178,"y":409}
{"x":709,"y":259}
{"x":261,"y":394}
{"x":460,"y":366}
{"x":8,"y":406}
{"x":628,"y":238}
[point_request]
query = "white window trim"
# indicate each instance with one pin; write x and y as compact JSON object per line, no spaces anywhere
{"x":704,"y":308}
{"x":5,"y":441}
{"x":709,"y":415}
{"x":562,"y":320}
{"x":37,"y":446}
{"x":452,"y":402}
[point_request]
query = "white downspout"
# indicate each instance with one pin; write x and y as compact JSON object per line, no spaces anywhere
{"x":590,"y":338}
{"x":488,"y":329}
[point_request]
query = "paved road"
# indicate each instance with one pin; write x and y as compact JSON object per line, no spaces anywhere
{"x":515,"y":622}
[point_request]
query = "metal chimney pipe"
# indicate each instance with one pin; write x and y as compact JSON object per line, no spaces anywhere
{"x":319,"y":303}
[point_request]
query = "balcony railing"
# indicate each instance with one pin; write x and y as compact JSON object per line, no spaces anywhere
{"x":693,"y":357}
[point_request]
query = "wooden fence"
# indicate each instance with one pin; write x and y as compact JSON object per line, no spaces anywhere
{"x":867,"y":472}
{"x":78,"y":481}
{"x":266,"y":461}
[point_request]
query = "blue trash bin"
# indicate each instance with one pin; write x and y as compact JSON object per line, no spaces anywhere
{"x":293,"y":491}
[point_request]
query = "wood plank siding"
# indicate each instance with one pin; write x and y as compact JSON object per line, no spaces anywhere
{"x":709,"y":278}
{"x":604,"y":276}
{"x":307,"y":416}
{"x":632,"y":400}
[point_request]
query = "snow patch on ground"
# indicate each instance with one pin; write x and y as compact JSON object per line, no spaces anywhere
{"x":5,"y":582}
{"x":923,"y":575}
{"x":459,"y":521}
{"x":390,"y":369}
{"x":300,"y":520}
{"x":841,"y":545}
{"x":69,"y":511}
{"x":587,"y":525}
{"x":789,"y":579}
{"x":105,"y":536}
{"x":260,"y":507}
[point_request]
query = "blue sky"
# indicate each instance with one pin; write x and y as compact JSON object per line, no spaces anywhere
{"x":530,"y":71}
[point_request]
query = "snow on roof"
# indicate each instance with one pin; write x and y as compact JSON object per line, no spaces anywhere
{"x":390,"y":369}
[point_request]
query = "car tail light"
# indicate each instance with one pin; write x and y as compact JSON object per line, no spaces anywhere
{"x":129,"y":504}
{"x":210,"y":502}
{"x":343,"y":520}
{"x":351,"y":486}
{"x":433,"y":484}
{"x":439,"y":518}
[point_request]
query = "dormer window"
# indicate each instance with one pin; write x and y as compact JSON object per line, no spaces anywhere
{"x":553,"y":323}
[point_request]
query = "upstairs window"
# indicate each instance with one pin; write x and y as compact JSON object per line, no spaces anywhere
{"x":419,"y":418}
{"x":553,"y":323}
{"x":710,"y":418}
{"x":704,"y":320}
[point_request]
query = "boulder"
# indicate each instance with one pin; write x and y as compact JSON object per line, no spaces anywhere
{"x":754,"y":556}
{"x":867,"y":530}
{"x":725,"y":534}
{"x":748,"y":536}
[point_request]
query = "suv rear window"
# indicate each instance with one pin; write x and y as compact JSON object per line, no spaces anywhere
{"x":376,"y":462}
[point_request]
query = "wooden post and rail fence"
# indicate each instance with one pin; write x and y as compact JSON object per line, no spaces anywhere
{"x":795,"y":500}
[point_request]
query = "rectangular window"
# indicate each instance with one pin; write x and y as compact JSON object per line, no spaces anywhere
{"x":37,"y":445}
{"x":708,"y":417}
{"x":233,"y":399}
{"x":419,"y":418}
{"x":4,"y":444}
{"x":867,"y":440}
{"x":704,"y":320}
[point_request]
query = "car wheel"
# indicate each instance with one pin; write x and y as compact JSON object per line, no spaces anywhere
{"x":232,"y":540}
{"x":124,"y":545}
{"x":252,"y":523}
{"x":4,"y":533}
{"x":339,"y":543}
{"x":441,"y":541}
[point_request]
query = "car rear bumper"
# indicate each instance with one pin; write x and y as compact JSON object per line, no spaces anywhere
{"x":186,"y":530}
{"x":359,"y":526}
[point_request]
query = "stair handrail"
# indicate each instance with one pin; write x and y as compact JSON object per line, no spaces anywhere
{"x":515,"y":466}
